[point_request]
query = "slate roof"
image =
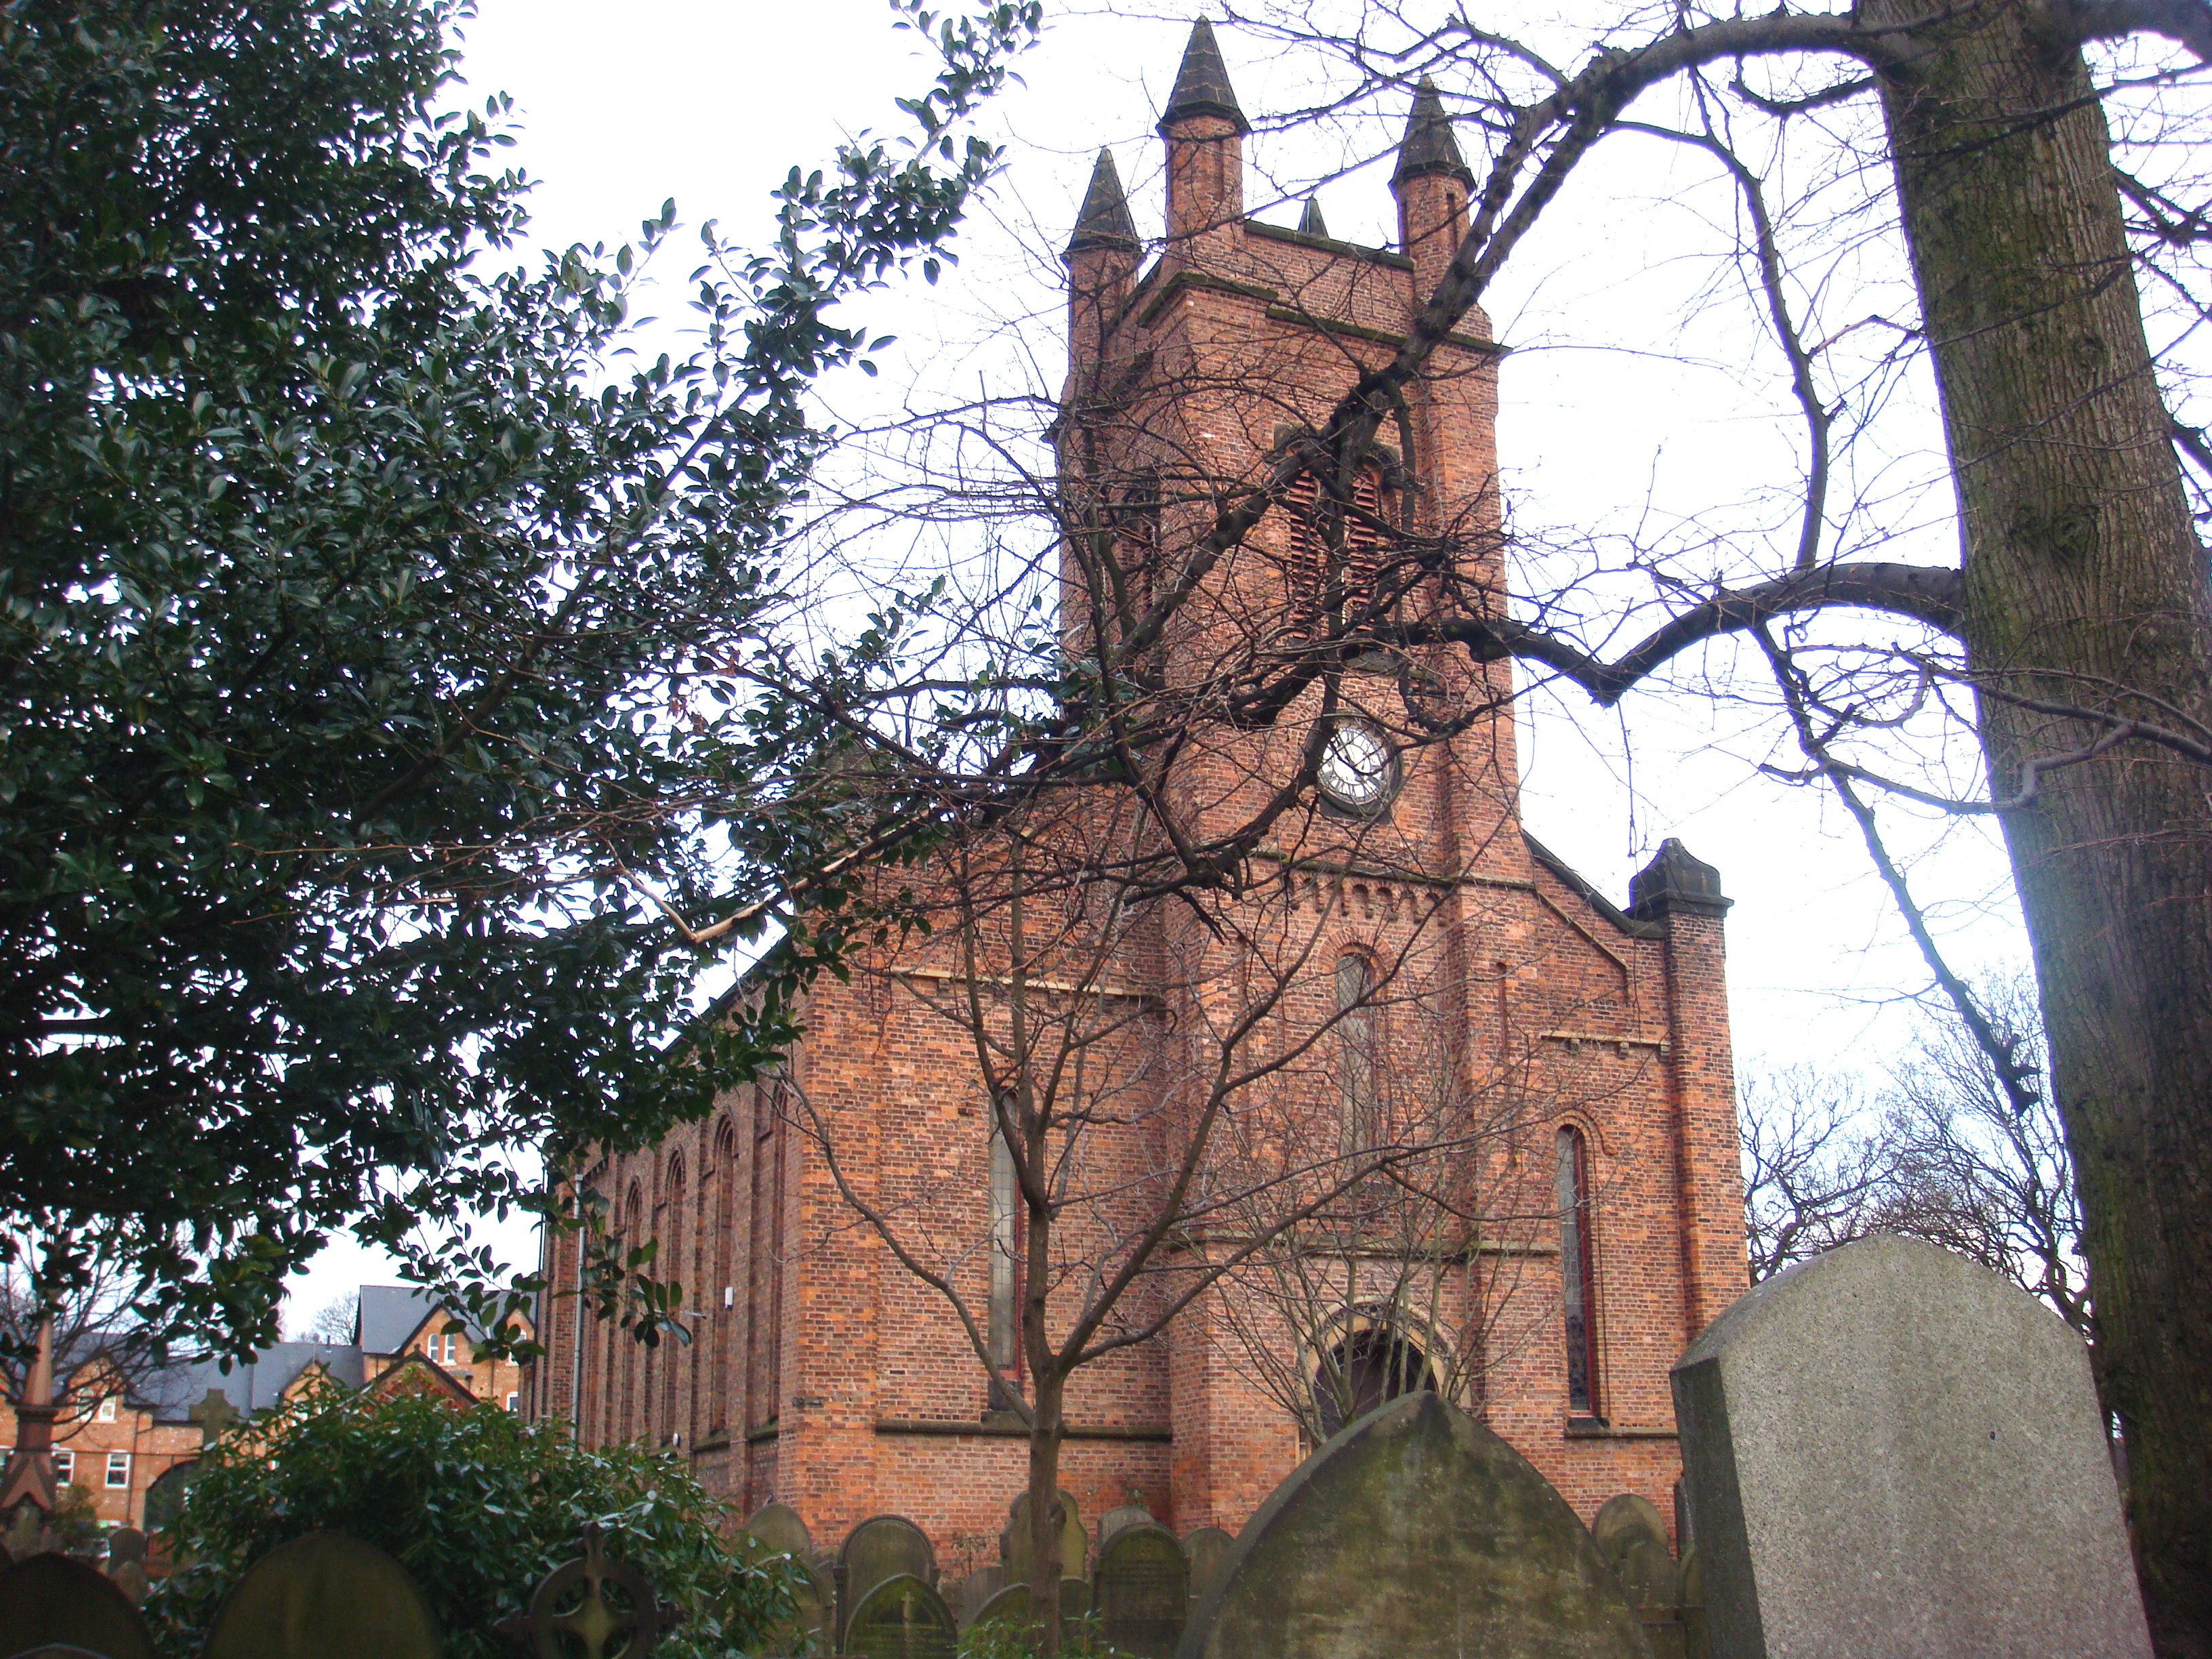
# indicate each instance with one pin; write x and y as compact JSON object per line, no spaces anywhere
{"x":1104,"y":222}
{"x":1429,"y":146}
{"x":390,"y":1313}
{"x":259,"y":1381}
{"x":1201,"y":85}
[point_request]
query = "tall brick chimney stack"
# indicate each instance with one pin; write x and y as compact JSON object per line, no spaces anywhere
{"x":1432,"y":182}
{"x":1205,"y":130}
{"x":1102,"y":266}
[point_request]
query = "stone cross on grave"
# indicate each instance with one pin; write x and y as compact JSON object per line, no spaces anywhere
{"x":214,"y":1415}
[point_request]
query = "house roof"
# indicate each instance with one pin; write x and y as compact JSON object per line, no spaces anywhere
{"x":390,"y":1313}
{"x":248,"y":1386}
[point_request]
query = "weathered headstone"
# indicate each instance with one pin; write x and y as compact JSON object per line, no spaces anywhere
{"x":1010,"y":1605}
{"x":972,"y":1594}
{"x":1631,"y":1535}
{"x":780,"y":1531}
{"x":884,"y":1546}
{"x":1141,"y":1588}
{"x":213,"y":1416}
{"x":1014,"y":1541}
{"x":1890,"y":1452}
{"x":324,"y":1595}
{"x":1125,"y":1514}
{"x":1415,"y":1533}
{"x":126,"y":1562}
{"x":1206,"y":1549}
{"x":48,"y":1600}
{"x":901,"y":1617}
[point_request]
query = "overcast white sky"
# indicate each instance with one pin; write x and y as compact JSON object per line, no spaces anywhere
{"x":1640,"y":392}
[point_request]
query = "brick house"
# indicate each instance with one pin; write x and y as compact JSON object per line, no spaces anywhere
{"x":118,"y":1437}
{"x":821,"y":1374}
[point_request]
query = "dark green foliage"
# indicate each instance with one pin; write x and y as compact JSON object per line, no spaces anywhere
{"x":478,"y":1506}
{"x":347,"y":604}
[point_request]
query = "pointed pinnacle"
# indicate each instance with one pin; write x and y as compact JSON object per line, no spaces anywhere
{"x":1104,"y":222}
{"x":1429,"y":147}
{"x":1201,"y":85}
{"x":1310,"y":223}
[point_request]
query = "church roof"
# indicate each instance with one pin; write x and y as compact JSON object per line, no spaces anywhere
{"x":1429,"y":147}
{"x":1201,"y":85}
{"x":1104,"y":222}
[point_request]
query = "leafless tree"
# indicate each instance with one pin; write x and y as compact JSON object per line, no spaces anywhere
{"x":335,"y":1320}
{"x":1815,"y":1166}
{"x":1970,"y":1172}
{"x":1173,"y":1094}
{"x":101,"y":1342}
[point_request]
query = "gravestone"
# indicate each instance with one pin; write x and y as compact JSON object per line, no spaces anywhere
{"x":126,"y":1562}
{"x":1206,"y":1549}
{"x":213,"y":1416}
{"x":48,"y":1600}
{"x":780,"y":1531}
{"x":1632,"y":1537}
{"x":1415,"y":1533}
{"x":1014,"y":1541}
{"x":1890,"y":1452}
{"x":1010,"y":1605}
{"x":901,"y":1617}
{"x":1126,"y":1514}
{"x":324,"y":1595}
{"x":1141,"y":1588}
{"x":974,"y":1593}
{"x":884,"y":1546}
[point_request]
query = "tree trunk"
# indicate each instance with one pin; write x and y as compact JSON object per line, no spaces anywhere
{"x":2084,"y":583}
{"x":1045,"y":1521}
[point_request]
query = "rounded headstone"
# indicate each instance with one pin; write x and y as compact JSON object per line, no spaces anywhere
{"x":1141,"y":1589}
{"x":780,"y":1531}
{"x":324,"y":1595}
{"x":882,"y":1547}
{"x":126,"y":1544}
{"x":1008,"y":1605}
{"x":1415,"y":1533}
{"x":1647,"y":1574}
{"x":49,"y":1600}
{"x":1623,"y":1519}
{"x":901,"y":1617}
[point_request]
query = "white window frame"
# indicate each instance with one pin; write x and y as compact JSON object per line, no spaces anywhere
{"x":106,"y":1412}
{"x":119,"y":1471}
{"x":64,"y":1464}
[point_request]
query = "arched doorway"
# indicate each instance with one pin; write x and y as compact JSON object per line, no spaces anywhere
{"x":1372,"y":1365}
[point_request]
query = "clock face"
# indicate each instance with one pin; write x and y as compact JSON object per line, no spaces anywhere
{"x":1359,"y":768}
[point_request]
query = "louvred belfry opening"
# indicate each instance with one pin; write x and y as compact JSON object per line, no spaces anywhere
{"x":1307,"y":562}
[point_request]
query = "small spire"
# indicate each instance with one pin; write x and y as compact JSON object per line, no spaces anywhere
{"x":1104,"y":222}
{"x":1429,"y":147}
{"x":1310,"y":223}
{"x":1201,"y":85}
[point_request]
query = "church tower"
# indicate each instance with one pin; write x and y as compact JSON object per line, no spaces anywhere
{"x":1447,"y":957}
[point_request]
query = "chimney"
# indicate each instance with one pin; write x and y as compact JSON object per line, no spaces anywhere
{"x":1205,"y":130}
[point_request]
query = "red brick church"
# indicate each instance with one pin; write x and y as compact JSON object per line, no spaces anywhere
{"x":824,"y":1374}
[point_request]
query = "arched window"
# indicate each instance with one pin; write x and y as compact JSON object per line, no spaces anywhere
{"x":721,"y":1315}
{"x":1367,"y":1368}
{"x":1306,"y":565}
{"x":1005,"y":1259}
{"x":1578,"y":1280}
{"x":1358,"y":1046}
{"x":675,"y":1218}
{"x":625,"y":1351}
